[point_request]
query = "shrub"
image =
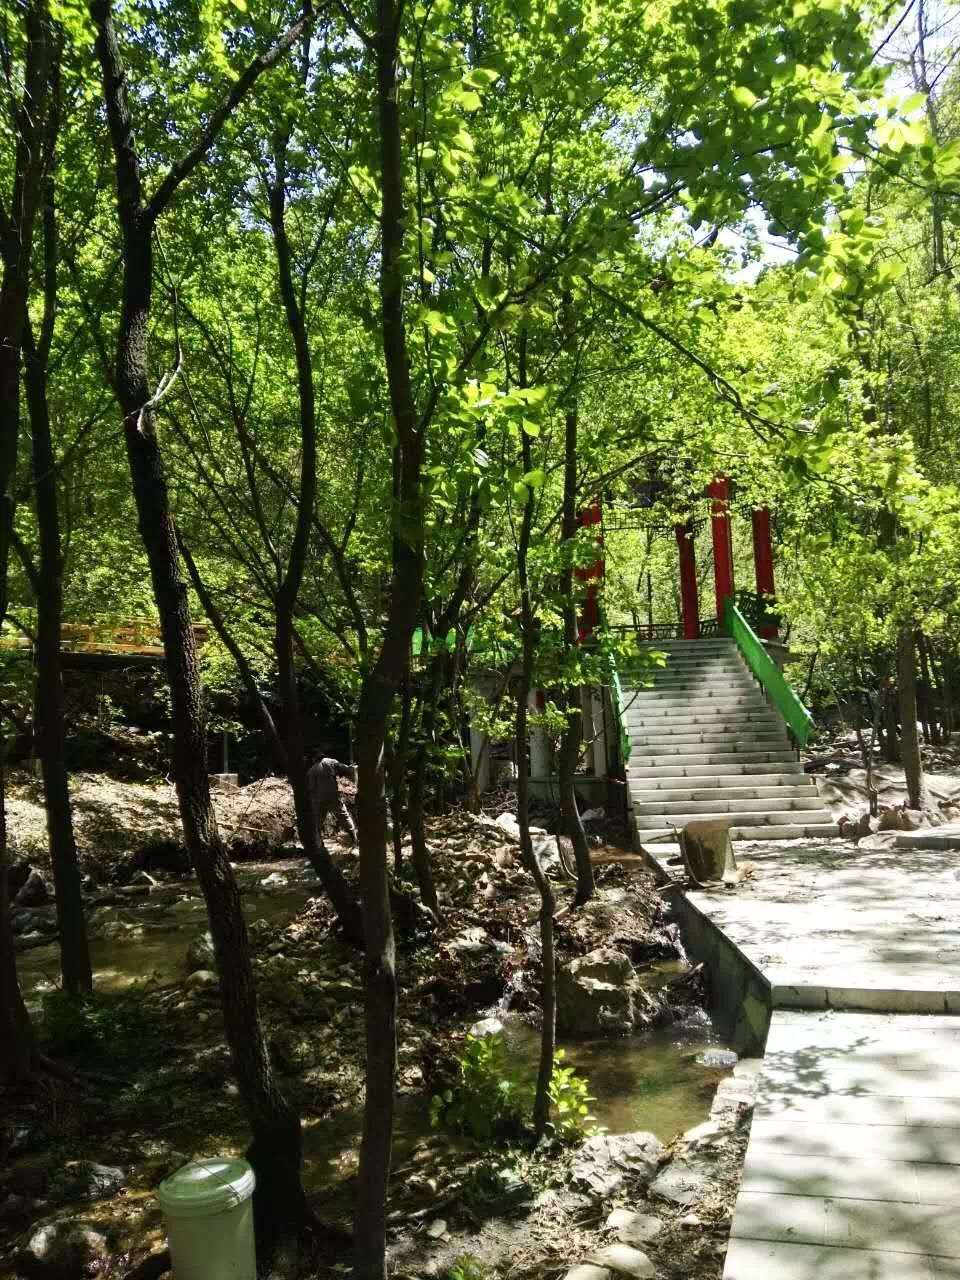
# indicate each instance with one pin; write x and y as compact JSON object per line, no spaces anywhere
{"x":490,"y":1099}
{"x":115,"y":1027}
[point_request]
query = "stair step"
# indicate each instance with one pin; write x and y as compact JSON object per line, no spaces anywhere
{"x":705,"y":692}
{"x":725,"y":769}
{"x":750,"y":775}
{"x":786,"y":831}
{"x":680,"y":744}
{"x":788,"y":790}
{"x":694,"y":709}
{"x":674,"y":762}
{"x":738,"y":818}
{"x":726,"y":803}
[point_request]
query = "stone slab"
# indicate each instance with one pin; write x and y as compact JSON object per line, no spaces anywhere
{"x":945,"y":837}
{"x":771,"y":1260}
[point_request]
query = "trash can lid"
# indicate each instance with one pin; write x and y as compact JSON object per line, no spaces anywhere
{"x":206,"y":1187}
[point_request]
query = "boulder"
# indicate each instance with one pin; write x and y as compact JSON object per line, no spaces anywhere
{"x":61,"y":1250}
{"x":606,"y":1163}
{"x":201,"y":980}
{"x":634,"y":1228}
{"x":33,"y":892}
{"x":486,"y":1027}
{"x":587,"y":1271}
{"x":17,"y":875}
{"x":684,"y":1182}
{"x":624,"y":1260}
{"x":200,"y":953}
{"x":596,"y":994}
{"x":86,"y":1180}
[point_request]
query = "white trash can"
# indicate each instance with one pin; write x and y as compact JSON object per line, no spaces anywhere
{"x":209,"y":1215}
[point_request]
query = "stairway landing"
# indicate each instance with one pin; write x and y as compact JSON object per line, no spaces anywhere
{"x":704,"y":744}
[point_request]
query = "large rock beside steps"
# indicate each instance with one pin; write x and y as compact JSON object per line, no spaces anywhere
{"x":596,"y":994}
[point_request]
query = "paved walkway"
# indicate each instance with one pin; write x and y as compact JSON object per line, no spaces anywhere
{"x":853,"y":1166}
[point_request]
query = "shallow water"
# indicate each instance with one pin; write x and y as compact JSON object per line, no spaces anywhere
{"x":649,"y":1081}
{"x":149,"y":936}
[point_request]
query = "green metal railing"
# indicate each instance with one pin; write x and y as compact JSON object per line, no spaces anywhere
{"x":798,"y":719}
{"x":621,"y":712}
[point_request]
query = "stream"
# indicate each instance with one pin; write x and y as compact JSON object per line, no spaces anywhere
{"x":650,"y":1081}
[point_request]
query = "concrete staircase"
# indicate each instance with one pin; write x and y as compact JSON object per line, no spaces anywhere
{"x":704,"y":744}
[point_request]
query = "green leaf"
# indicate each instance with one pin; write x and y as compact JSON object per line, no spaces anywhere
{"x":743,"y":96}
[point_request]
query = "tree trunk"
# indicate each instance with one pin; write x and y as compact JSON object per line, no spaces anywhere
{"x":569,"y":809}
{"x":336,"y":887}
{"x":418,"y":785}
{"x":548,"y":1035}
{"x":28,"y":126}
{"x":890,"y":744}
{"x":17,"y":1045}
{"x":50,"y":708}
{"x":383,"y":679}
{"x":396,"y":772}
{"x":311,"y":838}
{"x":909,"y":737}
{"x":570,"y":739}
{"x":275,"y":1151}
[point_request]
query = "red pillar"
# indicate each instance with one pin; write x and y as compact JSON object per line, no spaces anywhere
{"x":689,"y":602}
{"x":763,"y":560}
{"x":719,"y":491}
{"x":591,"y":574}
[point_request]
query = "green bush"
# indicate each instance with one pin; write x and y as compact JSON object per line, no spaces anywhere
{"x":468,"y":1267}
{"x":115,"y":1027}
{"x":490,"y":1099}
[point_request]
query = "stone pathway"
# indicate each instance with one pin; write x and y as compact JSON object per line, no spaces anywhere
{"x":853,"y":1165}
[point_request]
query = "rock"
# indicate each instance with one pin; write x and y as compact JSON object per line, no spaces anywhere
{"x":200,"y":953}
{"x":721,"y":1058}
{"x":587,"y":1271}
{"x":486,"y":1027}
{"x":595,"y":993}
{"x":683,"y":1182}
{"x":143,"y":879}
{"x":202,"y":979}
{"x":691,"y":1220}
{"x":34,"y":892}
{"x":508,"y":822}
{"x":593,"y":815}
{"x":61,"y":1250}
{"x":436,"y":1229}
{"x":276,"y":880}
{"x":606,"y":1162}
{"x":85,"y":1180}
{"x":882,"y":840}
{"x":624,"y":1260}
{"x":634,"y":1228}
{"x":17,"y":875}
{"x":913,"y":820}
{"x":260,"y":932}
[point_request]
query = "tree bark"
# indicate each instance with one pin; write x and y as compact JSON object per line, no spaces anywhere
{"x":570,"y":738}
{"x":422,"y":864}
{"x":288,"y":592}
{"x":548,"y":999}
{"x":75,"y":966}
{"x":28,"y":124}
{"x":383,"y":679}
{"x":275,"y":1151}
{"x":909,"y":736}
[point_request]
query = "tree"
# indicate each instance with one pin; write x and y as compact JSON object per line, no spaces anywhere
{"x":275,"y":1150}
{"x":29,"y":125}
